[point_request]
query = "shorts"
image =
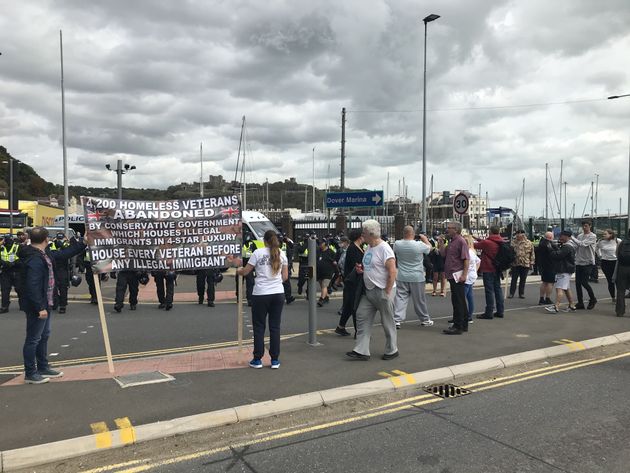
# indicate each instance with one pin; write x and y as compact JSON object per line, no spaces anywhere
{"x":548,"y":276}
{"x":324,"y":282}
{"x":563,"y":280}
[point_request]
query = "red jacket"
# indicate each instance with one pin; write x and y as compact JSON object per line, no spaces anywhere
{"x":489,"y":249}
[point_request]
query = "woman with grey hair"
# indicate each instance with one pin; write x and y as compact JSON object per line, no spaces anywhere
{"x":379,"y":277}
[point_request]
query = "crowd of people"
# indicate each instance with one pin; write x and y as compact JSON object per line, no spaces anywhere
{"x":376,"y":276}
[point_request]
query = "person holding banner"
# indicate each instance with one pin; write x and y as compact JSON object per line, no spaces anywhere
{"x":36,"y":300}
{"x":272,"y":268}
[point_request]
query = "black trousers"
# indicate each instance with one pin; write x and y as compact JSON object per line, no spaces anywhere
{"x":349,"y":293}
{"x":62,"y":282}
{"x":582,"y":275}
{"x":126,"y":279}
{"x":9,"y":278}
{"x":302,"y":275}
{"x":460,"y":309}
{"x":89,"y":279}
{"x":165,"y":286}
{"x":262,"y":307}
{"x":205,"y":278}
{"x":608,"y":268}
{"x":287,"y":289}
{"x":518,"y":272}
{"x":623,"y":282}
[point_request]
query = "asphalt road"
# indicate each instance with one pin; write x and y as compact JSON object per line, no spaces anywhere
{"x":567,"y":416}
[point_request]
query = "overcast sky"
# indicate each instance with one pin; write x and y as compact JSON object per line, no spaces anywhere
{"x":147,"y":81}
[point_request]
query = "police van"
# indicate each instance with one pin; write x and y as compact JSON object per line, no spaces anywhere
{"x":255,"y":225}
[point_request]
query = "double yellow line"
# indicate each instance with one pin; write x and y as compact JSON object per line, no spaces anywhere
{"x":104,"y":438}
{"x":389,"y":408}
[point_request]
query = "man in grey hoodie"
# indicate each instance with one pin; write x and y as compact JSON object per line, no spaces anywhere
{"x":586,"y":244}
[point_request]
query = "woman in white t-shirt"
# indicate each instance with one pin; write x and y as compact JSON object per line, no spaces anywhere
{"x":473,"y":266}
{"x":272,"y":269}
{"x":607,"y":252}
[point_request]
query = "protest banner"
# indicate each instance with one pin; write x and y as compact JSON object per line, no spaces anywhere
{"x":172,"y":235}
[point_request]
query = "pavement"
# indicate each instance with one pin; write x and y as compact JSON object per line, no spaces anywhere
{"x":196,"y":344}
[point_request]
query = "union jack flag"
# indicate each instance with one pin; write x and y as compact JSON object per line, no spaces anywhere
{"x":229,"y":211}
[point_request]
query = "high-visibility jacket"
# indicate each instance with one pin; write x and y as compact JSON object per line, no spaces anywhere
{"x":9,"y":255}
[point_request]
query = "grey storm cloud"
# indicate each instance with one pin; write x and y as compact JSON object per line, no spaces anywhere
{"x":149,"y":80}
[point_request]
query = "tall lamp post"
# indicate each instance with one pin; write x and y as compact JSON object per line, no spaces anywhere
{"x":120,"y":170}
{"x":10,"y":206}
{"x":426,"y":20}
{"x":628,"y":226}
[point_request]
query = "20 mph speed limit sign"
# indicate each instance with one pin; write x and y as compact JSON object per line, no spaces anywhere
{"x":461,"y":203}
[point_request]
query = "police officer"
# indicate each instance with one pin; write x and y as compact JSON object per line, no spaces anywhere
{"x":9,"y":277}
{"x":126,"y":278}
{"x":246,"y":252}
{"x":165,"y":285}
{"x":62,"y":273}
{"x":206,"y":280}
{"x":302,"y":253}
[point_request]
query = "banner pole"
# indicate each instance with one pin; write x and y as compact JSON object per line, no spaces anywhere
{"x":101,"y":313}
{"x":239,"y":305}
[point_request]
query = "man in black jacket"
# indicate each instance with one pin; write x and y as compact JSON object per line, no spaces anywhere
{"x":37,"y":299}
{"x":564,"y":265}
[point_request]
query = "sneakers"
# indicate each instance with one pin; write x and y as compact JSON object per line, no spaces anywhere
{"x":320,"y":303}
{"x":427,"y":323}
{"x":591,"y":304}
{"x":275,"y":364}
{"x":342,"y":331}
{"x":35,"y":378}
{"x":391,"y":356}
{"x":256,"y":364}
{"x":548,"y":301}
{"x":357,"y":356}
{"x":397,"y":325}
{"x":569,"y":309}
{"x":50,"y":373}
{"x":541,"y":301}
{"x":580,"y":306}
{"x":552,"y":309}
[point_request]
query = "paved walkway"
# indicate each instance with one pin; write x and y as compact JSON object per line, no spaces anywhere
{"x":207,"y":360}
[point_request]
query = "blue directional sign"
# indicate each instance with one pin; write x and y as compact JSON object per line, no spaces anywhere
{"x":354,"y":199}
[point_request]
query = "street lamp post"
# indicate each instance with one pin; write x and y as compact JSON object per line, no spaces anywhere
{"x":10,"y":206}
{"x":120,"y":170}
{"x":426,"y":20}
{"x":628,"y":216}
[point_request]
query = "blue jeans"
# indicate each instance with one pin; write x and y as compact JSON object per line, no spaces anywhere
{"x":470,"y":300}
{"x":35,"y":351}
{"x":492,"y":289}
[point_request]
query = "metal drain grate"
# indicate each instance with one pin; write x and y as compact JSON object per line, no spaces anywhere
{"x":446,"y":390}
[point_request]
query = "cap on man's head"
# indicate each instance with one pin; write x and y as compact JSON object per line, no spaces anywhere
{"x":566,"y":233}
{"x":60,"y":235}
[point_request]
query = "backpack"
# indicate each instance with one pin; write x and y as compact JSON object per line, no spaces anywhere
{"x":623,"y":250}
{"x":505,"y":257}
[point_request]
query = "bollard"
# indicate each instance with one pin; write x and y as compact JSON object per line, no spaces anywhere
{"x":312,"y":292}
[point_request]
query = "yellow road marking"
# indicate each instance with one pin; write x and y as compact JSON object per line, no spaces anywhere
{"x":102,"y":469}
{"x":127,"y":432}
{"x":275,"y":437}
{"x":102,"y":435}
{"x":573,"y":346}
{"x":427,"y":399}
{"x":394,"y":379}
{"x":410,"y":379}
